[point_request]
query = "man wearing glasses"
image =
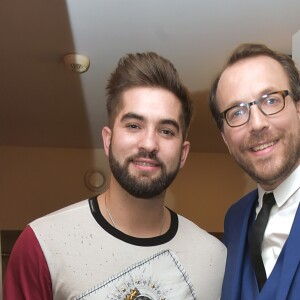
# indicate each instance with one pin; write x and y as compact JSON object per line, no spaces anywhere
{"x":255,"y":103}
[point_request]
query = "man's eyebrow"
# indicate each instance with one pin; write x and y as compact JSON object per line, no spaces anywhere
{"x":132,"y":116}
{"x":261,"y":94}
{"x":171,"y":122}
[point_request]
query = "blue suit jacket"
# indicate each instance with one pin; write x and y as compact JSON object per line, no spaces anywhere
{"x":283,"y":285}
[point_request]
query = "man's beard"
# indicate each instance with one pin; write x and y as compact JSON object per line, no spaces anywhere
{"x":268,"y":172}
{"x":142,"y":186}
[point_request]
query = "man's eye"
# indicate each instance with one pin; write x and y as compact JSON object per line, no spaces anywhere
{"x":133,"y":126}
{"x":271,"y":101}
{"x":167,"y":132}
{"x":237,"y":113}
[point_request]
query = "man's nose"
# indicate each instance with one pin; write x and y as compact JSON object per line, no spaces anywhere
{"x":149,"y":141}
{"x":257,"y":121}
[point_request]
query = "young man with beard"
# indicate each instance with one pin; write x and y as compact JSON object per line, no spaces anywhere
{"x":125,"y":244}
{"x":255,"y":102}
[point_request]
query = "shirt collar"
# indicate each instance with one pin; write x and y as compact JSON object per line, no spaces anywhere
{"x":285,"y":190}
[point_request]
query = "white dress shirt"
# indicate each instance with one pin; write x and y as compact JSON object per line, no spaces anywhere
{"x":287,"y":197}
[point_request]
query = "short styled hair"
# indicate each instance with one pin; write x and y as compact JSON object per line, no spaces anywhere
{"x":248,"y":51}
{"x":146,"y":70}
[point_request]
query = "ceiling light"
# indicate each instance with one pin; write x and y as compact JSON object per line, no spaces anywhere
{"x":77,"y":62}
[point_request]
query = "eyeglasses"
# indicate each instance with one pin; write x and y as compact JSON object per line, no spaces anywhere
{"x":269,"y":104}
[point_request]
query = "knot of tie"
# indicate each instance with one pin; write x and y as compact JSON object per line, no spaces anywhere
{"x":269,"y":199}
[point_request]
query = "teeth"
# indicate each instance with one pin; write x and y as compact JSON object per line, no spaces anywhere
{"x":262,"y":147}
{"x":145,"y":164}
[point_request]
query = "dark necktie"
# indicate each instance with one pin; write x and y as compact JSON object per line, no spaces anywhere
{"x":258,"y":230}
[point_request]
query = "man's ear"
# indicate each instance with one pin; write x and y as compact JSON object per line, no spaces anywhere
{"x":106,"y":137}
{"x":184,"y":152}
{"x":298,"y":107}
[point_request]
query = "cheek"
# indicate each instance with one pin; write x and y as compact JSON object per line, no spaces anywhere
{"x":119,"y":146}
{"x":124,"y":146}
{"x":123,"y":141}
{"x":235,"y":139}
{"x":171,"y":156}
{"x":289,"y":124}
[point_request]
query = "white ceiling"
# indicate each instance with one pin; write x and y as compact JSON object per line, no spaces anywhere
{"x":43,"y":104}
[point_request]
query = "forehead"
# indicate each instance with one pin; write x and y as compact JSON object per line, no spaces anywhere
{"x":249,"y":78}
{"x":151,"y":103}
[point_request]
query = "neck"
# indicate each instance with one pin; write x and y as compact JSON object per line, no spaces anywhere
{"x":133,"y":216}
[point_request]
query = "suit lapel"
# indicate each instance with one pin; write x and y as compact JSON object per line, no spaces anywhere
{"x":237,"y":242}
{"x":291,"y":258}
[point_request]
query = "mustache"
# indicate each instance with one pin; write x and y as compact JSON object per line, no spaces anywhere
{"x":145,"y":154}
{"x":255,"y":138}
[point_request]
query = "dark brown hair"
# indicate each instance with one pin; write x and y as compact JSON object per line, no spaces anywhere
{"x":146,"y":70}
{"x":252,"y":50}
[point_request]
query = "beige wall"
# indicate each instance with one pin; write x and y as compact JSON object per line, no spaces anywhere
{"x":206,"y":187}
{"x":36,"y":181}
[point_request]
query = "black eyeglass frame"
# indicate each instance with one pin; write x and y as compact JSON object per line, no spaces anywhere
{"x":257,"y":102}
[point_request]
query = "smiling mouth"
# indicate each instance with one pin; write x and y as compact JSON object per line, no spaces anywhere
{"x":145,"y":164}
{"x":263,"y":146}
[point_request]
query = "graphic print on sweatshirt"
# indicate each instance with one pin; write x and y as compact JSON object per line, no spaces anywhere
{"x":159,"y":277}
